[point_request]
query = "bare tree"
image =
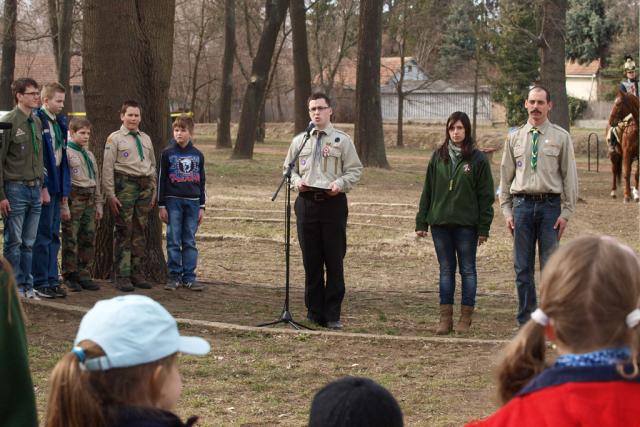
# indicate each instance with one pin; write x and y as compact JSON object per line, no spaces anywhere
{"x":144,"y":42}
{"x":60,"y":25}
{"x":369,"y":137}
{"x":275,"y":13}
{"x":226,"y":90}
{"x":552,"y":54}
{"x":332,"y":43}
{"x":301,"y":68}
{"x":10,"y":18}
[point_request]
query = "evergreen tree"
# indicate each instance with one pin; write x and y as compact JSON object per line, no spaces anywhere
{"x":589,"y":31}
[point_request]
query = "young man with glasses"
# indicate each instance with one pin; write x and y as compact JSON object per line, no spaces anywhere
{"x":327,"y":168}
{"x":21,"y":180}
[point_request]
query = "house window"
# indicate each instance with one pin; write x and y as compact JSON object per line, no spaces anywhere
{"x":409,"y":68}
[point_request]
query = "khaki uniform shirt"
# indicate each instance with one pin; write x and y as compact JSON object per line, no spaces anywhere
{"x":121,"y":156}
{"x":334,"y":160}
{"x":80,"y":174}
{"x":18,"y":160}
{"x":58,"y":151}
{"x":555,"y":172}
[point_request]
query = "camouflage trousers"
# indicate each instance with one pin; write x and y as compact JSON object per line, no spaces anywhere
{"x":78,"y":234}
{"x":131,"y":224}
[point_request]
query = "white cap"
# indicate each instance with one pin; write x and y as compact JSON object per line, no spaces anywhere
{"x":133,"y":330}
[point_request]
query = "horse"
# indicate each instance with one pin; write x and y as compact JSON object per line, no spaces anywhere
{"x":625,"y":107}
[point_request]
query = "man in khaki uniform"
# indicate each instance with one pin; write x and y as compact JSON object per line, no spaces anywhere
{"x":21,"y":179}
{"x":539,"y":189}
{"x":327,"y":168}
{"x":129,"y":185}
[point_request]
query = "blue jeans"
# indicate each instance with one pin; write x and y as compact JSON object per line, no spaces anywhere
{"x":182,"y":253}
{"x":20,"y":229}
{"x":461,"y":243}
{"x":47,"y":245}
{"x":533,"y":222}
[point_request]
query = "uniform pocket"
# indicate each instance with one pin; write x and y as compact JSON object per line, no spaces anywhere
{"x":518,"y":150}
{"x":552,"y":150}
{"x":305,"y":158}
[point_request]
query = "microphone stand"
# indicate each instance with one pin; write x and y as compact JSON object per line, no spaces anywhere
{"x":285,"y":316}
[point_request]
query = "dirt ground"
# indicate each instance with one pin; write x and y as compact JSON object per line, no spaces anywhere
{"x":254,"y":378}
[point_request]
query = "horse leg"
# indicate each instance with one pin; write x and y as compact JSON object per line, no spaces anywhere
{"x":615,"y":172}
{"x":626,"y":175}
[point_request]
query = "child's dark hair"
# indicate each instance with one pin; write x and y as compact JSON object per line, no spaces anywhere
{"x":354,"y":402}
{"x":129,"y":103}
{"x":588,"y":288}
{"x":78,"y":123}
{"x":78,"y":397}
{"x":184,"y":122}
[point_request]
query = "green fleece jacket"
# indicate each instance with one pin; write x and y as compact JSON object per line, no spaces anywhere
{"x":462,"y":196}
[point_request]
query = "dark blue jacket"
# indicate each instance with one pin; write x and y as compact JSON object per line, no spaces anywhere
{"x":181,"y":174}
{"x":56,"y":179}
{"x":131,"y":416}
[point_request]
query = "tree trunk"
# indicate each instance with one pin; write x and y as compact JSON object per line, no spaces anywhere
{"x":399,"y":84}
{"x":369,"y":138}
{"x":60,"y":23}
{"x":301,"y":68}
{"x":226,"y":91}
{"x":10,"y":17}
{"x":196,"y":62}
{"x":552,"y":54}
{"x":474,"y":119}
{"x":275,"y":12}
{"x":143,"y":45}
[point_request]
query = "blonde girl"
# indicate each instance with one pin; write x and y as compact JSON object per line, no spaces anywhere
{"x":122,"y":370}
{"x":589,"y":299}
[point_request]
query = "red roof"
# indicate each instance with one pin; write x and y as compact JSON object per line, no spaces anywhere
{"x":42,"y":68}
{"x":347,"y":71}
{"x":574,"y":69}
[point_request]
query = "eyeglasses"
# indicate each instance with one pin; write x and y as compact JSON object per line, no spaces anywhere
{"x":36,"y":94}
{"x":318,"y":109}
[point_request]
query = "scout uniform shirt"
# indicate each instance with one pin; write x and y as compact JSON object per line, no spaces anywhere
{"x":555,"y":172}
{"x":21,"y":151}
{"x":328,"y":156}
{"x":121,"y":156}
{"x":58,"y":150}
{"x":81,"y":175}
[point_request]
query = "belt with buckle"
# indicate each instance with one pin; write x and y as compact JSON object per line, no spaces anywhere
{"x":29,"y":182}
{"x":537,"y":196}
{"x":317,"y":196}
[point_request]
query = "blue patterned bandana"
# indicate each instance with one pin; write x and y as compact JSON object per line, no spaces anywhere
{"x":609,"y":356}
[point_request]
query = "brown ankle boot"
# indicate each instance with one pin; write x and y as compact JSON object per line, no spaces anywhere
{"x":464,"y":323}
{"x":446,"y":319}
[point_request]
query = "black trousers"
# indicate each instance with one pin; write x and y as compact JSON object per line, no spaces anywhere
{"x":322,"y":233}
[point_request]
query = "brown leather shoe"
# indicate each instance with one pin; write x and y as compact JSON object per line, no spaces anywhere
{"x":466,"y":311}
{"x":446,"y":319}
{"x":139,"y":281}
{"x":123,"y":284}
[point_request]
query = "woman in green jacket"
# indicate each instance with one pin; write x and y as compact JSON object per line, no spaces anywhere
{"x":457,"y":202}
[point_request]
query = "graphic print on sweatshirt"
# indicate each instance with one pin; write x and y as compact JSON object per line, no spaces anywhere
{"x":184,"y":168}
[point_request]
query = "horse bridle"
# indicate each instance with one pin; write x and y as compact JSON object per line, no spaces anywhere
{"x":619,"y":118}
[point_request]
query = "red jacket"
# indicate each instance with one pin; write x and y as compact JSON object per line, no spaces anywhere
{"x":572,"y":397}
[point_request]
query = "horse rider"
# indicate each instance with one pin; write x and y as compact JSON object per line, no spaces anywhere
{"x":629,"y":85}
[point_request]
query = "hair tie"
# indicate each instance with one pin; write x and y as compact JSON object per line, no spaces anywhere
{"x":633,"y":318}
{"x":79,"y":352}
{"x":540,"y":317}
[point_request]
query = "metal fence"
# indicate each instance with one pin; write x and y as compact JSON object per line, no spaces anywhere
{"x":435,"y":106}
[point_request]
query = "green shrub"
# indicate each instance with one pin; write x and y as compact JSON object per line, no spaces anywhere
{"x":576,"y":108}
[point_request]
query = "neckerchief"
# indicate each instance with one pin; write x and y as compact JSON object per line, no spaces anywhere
{"x":87,"y":159}
{"x":608,"y":356}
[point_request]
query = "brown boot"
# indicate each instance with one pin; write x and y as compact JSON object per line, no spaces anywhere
{"x":446,"y":319}
{"x":464,"y":323}
{"x":139,"y":281}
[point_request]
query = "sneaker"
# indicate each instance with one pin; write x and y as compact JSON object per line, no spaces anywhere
{"x":89,"y":285}
{"x":71,"y":282}
{"x":123,"y":284}
{"x":194,"y":286}
{"x":44,"y":292}
{"x":59,"y":291}
{"x":139,"y":281}
{"x":172,"y":284}
{"x":30,"y":294}
{"x":335,"y":325}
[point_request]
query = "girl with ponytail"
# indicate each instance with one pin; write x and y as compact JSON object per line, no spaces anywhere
{"x":589,"y":308}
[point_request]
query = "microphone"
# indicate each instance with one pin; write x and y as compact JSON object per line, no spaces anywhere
{"x":309,"y":128}
{"x":6,"y":126}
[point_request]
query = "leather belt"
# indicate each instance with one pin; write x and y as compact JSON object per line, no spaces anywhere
{"x":537,"y":196}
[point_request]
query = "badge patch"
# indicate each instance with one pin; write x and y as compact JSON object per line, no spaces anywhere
{"x":519,"y":163}
{"x":303,"y":162}
{"x":325,"y":151}
{"x":125,"y":154}
{"x":337,"y":139}
{"x":466,"y":168}
{"x":76,"y":171}
{"x":20,"y":132}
